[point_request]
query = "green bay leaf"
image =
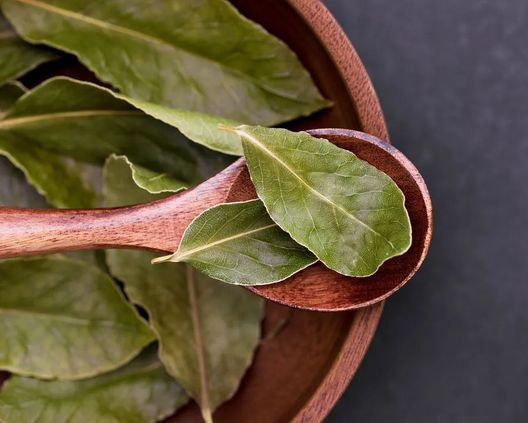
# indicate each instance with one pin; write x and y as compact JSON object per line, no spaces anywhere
{"x":238,"y":243}
{"x":348,"y":213}
{"x":62,"y":318}
{"x":191,"y":58}
{"x":61,"y":132}
{"x":85,"y":122}
{"x":202,"y":128}
{"x":207,"y":330}
{"x":140,"y":392}
{"x":17,"y":56}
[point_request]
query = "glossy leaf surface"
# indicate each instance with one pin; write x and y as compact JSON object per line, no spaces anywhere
{"x":191,"y":58}
{"x":349,"y":214}
{"x":17,"y":56}
{"x":141,"y":392}
{"x":62,"y":318}
{"x":207,"y":330}
{"x":238,"y":243}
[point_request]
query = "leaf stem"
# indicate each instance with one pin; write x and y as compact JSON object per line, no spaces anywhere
{"x":227,"y":128}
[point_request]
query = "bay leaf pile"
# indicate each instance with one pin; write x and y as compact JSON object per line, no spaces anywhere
{"x":184,"y":87}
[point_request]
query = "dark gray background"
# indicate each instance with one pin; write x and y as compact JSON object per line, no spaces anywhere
{"x":452,"y":77}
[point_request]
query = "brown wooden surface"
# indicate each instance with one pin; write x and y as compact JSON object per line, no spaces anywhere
{"x":158,"y":225}
{"x":301,"y":372}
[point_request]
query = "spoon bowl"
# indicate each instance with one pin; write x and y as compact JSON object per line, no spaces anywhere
{"x":318,"y":288}
{"x":160,"y":225}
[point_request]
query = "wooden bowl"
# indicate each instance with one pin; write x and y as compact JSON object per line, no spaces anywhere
{"x":300,"y":373}
{"x":306,"y":359}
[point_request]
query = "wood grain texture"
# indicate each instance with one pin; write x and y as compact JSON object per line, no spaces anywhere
{"x":299,"y":373}
{"x":157,"y":226}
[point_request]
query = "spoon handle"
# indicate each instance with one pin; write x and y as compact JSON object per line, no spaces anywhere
{"x":158,"y":225}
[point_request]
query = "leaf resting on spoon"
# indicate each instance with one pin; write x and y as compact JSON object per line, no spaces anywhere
{"x":238,"y":243}
{"x":141,"y":392}
{"x":62,"y":318}
{"x":348,"y":213}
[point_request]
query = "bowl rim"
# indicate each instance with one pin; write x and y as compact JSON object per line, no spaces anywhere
{"x":372,"y":121}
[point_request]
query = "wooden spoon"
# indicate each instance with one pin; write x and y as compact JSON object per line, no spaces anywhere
{"x":159,"y":225}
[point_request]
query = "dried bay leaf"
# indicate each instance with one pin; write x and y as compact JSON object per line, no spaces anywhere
{"x":349,"y":214}
{"x":140,"y":392}
{"x":193,"y":52}
{"x":60,"y":130}
{"x":238,"y":243}
{"x":62,"y":318}
{"x":17,"y":56}
{"x":87,"y":123}
{"x":201,"y":128}
{"x":207,"y":330}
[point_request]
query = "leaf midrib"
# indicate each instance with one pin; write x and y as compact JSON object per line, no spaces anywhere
{"x":198,"y":338}
{"x":151,"y":39}
{"x":25,"y":120}
{"x":258,"y":144}
{"x":179,"y":257}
